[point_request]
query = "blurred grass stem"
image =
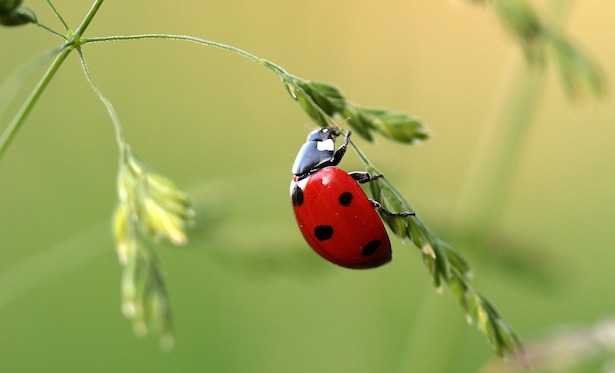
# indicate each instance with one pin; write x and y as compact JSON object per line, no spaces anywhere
{"x":499,"y":160}
{"x":9,"y":133}
{"x":487,"y":185}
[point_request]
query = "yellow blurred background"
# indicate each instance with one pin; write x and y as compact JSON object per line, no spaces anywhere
{"x":248,"y":294}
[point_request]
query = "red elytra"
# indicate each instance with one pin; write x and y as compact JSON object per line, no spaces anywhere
{"x":338,"y":220}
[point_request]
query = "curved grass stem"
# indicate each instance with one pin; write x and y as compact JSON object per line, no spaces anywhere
{"x":117,"y":125}
{"x":229,"y":48}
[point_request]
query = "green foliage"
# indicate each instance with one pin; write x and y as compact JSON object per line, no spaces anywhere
{"x":538,"y":39}
{"x":446,"y":265}
{"x":315,"y":102}
{"x":151,"y":206}
{"x":578,"y":72}
{"x":325,"y":103}
{"x":395,"y":126}
{"x":523,"y":22}
{"x":326,"y":97}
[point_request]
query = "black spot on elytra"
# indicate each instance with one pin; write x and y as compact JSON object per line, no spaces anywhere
{"x":297,"y":196}
{"x":323,"y":232}
{"x":345,"y":198}
{"x":370,"y":248}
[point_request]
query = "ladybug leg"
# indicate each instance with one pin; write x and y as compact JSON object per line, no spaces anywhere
{"x":363,"y":177}
{"x":339,"y":153}
{"x":378,"y":206}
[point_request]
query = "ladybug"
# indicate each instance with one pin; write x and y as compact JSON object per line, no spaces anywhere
{"x":334,"y":214}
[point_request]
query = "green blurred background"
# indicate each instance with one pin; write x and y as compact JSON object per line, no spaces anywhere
{"x":248,"y":294}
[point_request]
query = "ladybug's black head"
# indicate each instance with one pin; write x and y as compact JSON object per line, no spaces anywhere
{"x":322,"y":134}
{"x":317,"y":151}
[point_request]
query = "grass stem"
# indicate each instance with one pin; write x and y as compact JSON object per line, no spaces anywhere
{"x":8,"y":134}
{"x":117,"y":125}
{"x":50,"y":30}
{"x":487,"y":186}
{"x":58,"y":15}
{"x":229,"y":48}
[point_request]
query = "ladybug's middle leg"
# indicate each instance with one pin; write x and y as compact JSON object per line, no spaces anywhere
{"x":378,"y":206}
{"x":363,"y":177}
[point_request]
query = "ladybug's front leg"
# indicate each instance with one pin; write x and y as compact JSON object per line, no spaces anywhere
{"x":378,"y":206}
{"x":339,"y":153}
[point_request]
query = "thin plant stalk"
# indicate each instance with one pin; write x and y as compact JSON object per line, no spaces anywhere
{"x":50,"y":30}
{"x":7,"y":136}
{"x":58,"y":15}
{"x":10,"y":87}
{"x":229,"y":48}
{"x":88,"y":18}
{"x":115,"y":119}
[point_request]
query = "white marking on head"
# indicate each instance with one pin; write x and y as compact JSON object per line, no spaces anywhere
{"x":327,"y":145}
